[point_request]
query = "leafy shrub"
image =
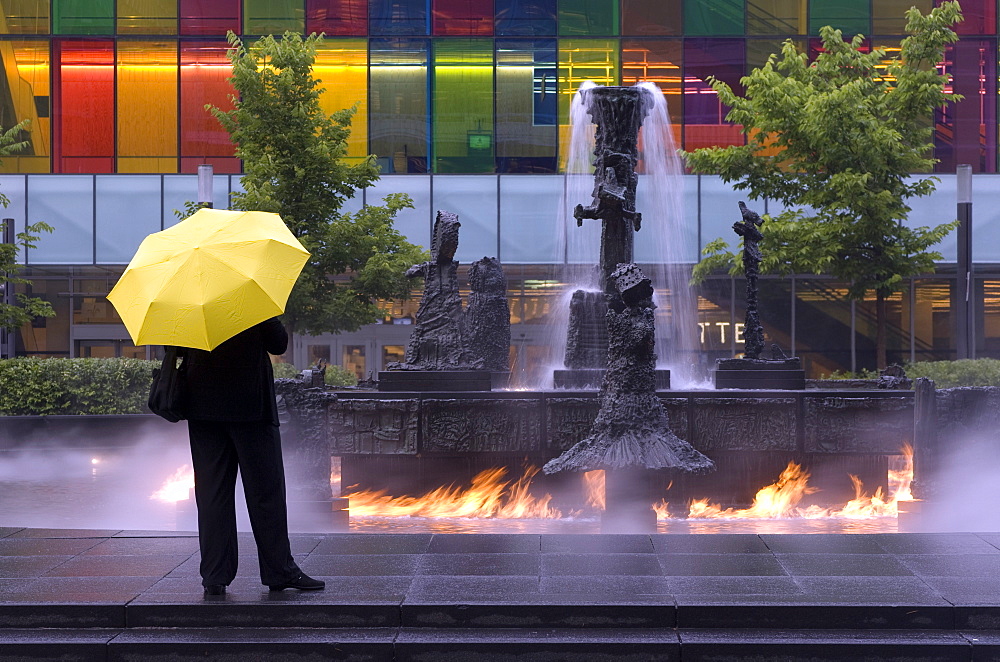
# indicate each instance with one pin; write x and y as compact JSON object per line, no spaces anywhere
{"x":847,"y":374}
{"x":33,"y":386}
{"x":285,"y":371}
{"x":338,"y":376}
{"x":964,"y":372}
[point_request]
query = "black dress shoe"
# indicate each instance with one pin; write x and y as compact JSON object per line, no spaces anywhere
{"x":215,"y":589}
{"x":302,"y":582}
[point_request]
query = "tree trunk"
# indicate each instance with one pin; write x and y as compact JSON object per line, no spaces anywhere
{"x":289,"y":355}
{"x":880,"y":325}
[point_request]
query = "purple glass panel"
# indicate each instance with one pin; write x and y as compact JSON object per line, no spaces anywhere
{"x":966,"y":132}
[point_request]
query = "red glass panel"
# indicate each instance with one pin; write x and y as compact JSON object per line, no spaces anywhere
{"x":980,"y":17}
{"x":221,"y":165}
{"x":209,"y":17}
{"x":204,"y":69}
{"x":83,"y":106}
{"x":337,"y":18}
{"x":463,"y":17}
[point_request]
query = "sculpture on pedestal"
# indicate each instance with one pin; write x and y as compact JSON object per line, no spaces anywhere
{"x":749,"y":229}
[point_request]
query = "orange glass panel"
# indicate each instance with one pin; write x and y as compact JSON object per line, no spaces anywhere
{"x":204,"y":70}
{"x":147,"y":106}
{"x":342,"y":67}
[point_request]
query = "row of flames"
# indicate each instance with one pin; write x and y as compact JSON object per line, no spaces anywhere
{"x":492,"y":495}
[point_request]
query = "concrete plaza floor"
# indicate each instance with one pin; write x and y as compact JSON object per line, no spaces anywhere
{"x":110,"y":595}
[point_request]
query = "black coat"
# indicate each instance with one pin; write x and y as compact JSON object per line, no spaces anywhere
{"x":234,"y":382}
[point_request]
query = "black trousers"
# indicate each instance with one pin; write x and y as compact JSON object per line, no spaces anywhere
{"x":218,"y":449}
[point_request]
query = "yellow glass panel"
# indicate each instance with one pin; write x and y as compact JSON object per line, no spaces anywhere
{"x":24,"y":17}
{"x":147,"y":101}
{"x":25,"y":82}
{"x":147,"y":164}
{"x":342,"y":69}
{"x":580,"y":60}
{"x":147,"y":17}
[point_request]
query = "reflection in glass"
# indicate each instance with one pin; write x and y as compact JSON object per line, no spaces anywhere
{"x":526,"y":106}
{"x":398,"y":95}
{"x":463,"y":106}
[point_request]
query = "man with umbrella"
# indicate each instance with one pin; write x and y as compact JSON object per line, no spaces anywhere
{"x":212,"y":284}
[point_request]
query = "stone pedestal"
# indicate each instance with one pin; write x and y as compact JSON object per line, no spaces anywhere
{"x":435,"y":380}
{"x":779,"y":374}
{"x":591,"y":378}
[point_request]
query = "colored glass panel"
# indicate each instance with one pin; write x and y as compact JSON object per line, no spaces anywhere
{"x":157,"y":17}
{"x":463,"y":17}
{"x":462,"y":114}
{"x":526,"y":106}
{"x":83,"y":108}
{"x":967,"y":131}
{"x":651,"y":17}
{"x":398,"y":96}
{"x":525,"y":18}
{"x":889,"y":16}
{"x":204,"y":69}
{"x":582,"y":60}
{"x":24,"y":89}
{"x":704,"y":115}
{"x":262,"y":17}
{"x":588,"y":17}
{"x":758,"y":50}
{"x":83,"y":17}
{"x":24,"y":17}
{"x":342,"y":69}
{"x":782,"y":17}
{"x":980,"y":17}
{"x":337,"y":17}
{"x":655,"y":61}
{"x":398,"y":17}
{"x":147,"y":106}
{"x":719,"y":17}
{"x":209,"y":17}
{"x":850,"y":16}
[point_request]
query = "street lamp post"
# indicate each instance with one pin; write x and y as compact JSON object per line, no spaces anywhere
{"x":7,"y":337}
{"x":205,"y":182}
{"x":964,"y":322}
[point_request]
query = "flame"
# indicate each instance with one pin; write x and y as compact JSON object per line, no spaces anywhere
{"x":176,"y":488}
{"x":593,"y":484}
{"x":489,"y":496}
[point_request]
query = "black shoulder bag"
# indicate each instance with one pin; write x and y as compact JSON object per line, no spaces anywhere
{"x":168,"y":393}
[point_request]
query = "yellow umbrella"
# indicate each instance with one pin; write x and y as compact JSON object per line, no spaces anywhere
{"x":204,"y":280}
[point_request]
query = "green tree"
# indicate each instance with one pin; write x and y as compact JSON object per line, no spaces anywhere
{"x":835,"y":142}
{"x":294,"y":165}
{"x":24,"y":308}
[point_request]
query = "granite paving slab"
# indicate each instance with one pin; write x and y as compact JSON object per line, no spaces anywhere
{"x":479,"y":564}
{"x":6,"y":531}
{"x":706,"y":543}
{"x":811,"y":613}
{"x":953,"y":565}
{"x":600,"y":564}
{"x":847,"y":565}
{"x":823,"y":543}
{"x":490,"y":543}
{"x":603,"y":544}
{"x":725,"y":565}
{"x":118,"y":566}
{"x":64,"y":533}
{"x":46,"y":546}
{"x":465,"y":588}
{"x":360,"y":565}
{"x":385,"y":543}
{"x":937,"y":543}
{"x":613,"y":587}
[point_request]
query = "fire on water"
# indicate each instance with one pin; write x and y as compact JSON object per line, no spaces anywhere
{"x":492,"y":495}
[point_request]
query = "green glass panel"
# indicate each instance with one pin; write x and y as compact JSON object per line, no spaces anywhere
{"x":262,"y":17}
{"x":83,"y":16}
{"x":781,"y":17}
{"x":157,"y":17}
{"x":713,"y":19}
{"x":463,"y":140}
{"x":527,"y":105}
{"x":850,"y":16}
{"x":595,"y":60}
{"x":24,"y":17}
{"x":588,"y":17}
{"x":758,"y":50}
{"x":889,"y":16}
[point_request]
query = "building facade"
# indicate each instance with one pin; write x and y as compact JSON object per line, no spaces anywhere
{"x":465,"y":105}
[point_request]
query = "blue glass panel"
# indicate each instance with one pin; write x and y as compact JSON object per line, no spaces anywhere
{"x":66,"y":202}
{"x":415,"y":224}
{"x":119,"y":197}
{"x":527,"y":18}
{"x":398,"y":17}
{"x":474,"y":199}
{"x":178,"y":189}
{"x":13,"y":187}
{"x":529,"y":207}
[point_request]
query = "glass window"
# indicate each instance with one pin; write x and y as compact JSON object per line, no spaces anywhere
{"x":988,"y":332}
{"x":415,"y":224}
{"x":720,"y":208}
{"x":392,"y":354}
{"x":474,"y":199}
{"x":25,"y":84}
{"x":47,"y":336}
{"x":716,"y":18}
{"x":588,"y":17}
{"x":463,"y":17}
{"x":178,"y":189}
{"x":13,"y":187}
{"x":398,"y":97}
{"x":656,"y":61}
{"x":147,"y":106}
{"x":25,"y":17}
{"x":651,"y":17}
{"x":889,"y":16}
{"x":354,"y":360}
{"x":758,"y":50}
{"x":262,"y":17}
{"x":526,"y":106}
{"x":529,"y":207}
{"x":337,"y":17}
{"x":580,"y":60}
{"x":318,"y":353}
{"x":157,"y":17}
{"x":822,"y":326}
{"x":656,"y":241}
{"x":209,"y":17}
{"x":780,"y":17}
{"x":84,"y":106}
{"x":851,"y":16}
{"x":397,"y":17}
{"x":940,"y":207}
{"x":897,"y":330}
{"x":342,"y":69}
{"x":980,"y":17}
{"x":67,"y":204}
{"x":525,"y":18}
{"x":204,"y":70}
{"x":967,"y":132}
{"x":135,"y":197}
{"x":83,"y":17}
{"x":463,"y":106}
{"x":934,"y":324}
{"x":704,"y":116}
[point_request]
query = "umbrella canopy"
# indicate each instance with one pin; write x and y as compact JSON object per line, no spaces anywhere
{"x":204,"y":280}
